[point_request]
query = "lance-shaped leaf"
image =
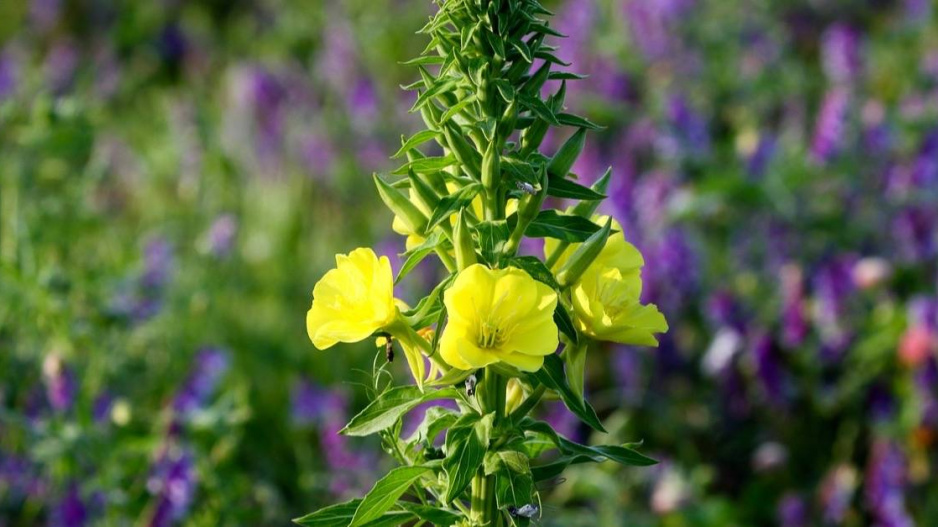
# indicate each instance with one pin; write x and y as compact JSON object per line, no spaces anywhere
{"x":438,"y":88}
{"x":451,"y":204}
{"x":564,"y":227}
{"x":566,"y":156}
{"x":568,"y":119}
{"x":586,"y":208}
{"x":427,"y":164}
{"x":388,"y":407}
{"x":536,"y":268}
{"x":552,"y":376}
{"x":561,"y":187}
{"x":417,"y":254}
{"x":466,"y":443}
{"x":417,"y":139}
{"x":565,"y":323}
{"x":341,"y":515}
{"x":538,"y":108}
{"x":433,"y":515}
{"x":385,"y":493}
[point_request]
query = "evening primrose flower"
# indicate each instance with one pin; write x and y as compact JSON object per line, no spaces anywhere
{"x":353,"y":300}
{"x":498,"y":315}
{"x":606,"y":298}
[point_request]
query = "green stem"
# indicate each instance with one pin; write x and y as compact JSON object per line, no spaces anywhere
{"x":446,"y":259}
{"x":554,"y":256}
{"x":529,"y":403}
{"x":484,"y":506}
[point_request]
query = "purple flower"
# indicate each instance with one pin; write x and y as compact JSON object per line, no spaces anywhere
{"x":769,"y":369}
{"x":221,"y":235}
{"x":794,"y":319}
{"x":758,"y":161}
{"x":210,"y":366}
{"x":71,"y":511}
{"x":880,"y":404}
{"x":926,"y":385}
{"x":60,"y":383}
{"x":157,"y":263}
{"x":651,"y":25}
{"x":362,"y":103}
{"x":792,"y":511}
{"x":60,"y":65}
{"x":173,"y":482}
{"x":830,"y":129}
{"x":172,"y":44}
{"x":924,"y":171}
{"x":318,"y":154}
{"x":45,"y":13}
{"x":628,"y":370}
{"x":9,"y":74}
{"x":688,"y":127}
{"x":833,"y":283}
{"x":724,"y":310}
{"x":840,"y":53}
{"x":885,"y":486}
{"x":101,"y":408}
{"x":914,"y":232}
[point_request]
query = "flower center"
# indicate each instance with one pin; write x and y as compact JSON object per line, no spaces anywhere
{"x":490,"y":335}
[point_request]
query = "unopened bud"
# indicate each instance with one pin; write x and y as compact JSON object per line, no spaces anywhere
{"x":577,"y":264}
{"x":491,"y":167}
{"x":401,"y":206}
{"x":564,"y":159}
{"x":463,"y":150}
{"x":585,"y":209}
{"x":462,"y":242}
{"x":422,"y":192}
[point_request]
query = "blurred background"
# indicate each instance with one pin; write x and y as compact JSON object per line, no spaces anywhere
{"x":176,"y":175}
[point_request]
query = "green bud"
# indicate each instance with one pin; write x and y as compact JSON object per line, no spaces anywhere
{"x":462,"y":242}
{"x":401,"y":206}
{"x":528,"y":210}
{"x":536,"y":82}
{"x":491,"y":167}
{"x":585,"y":209}
{"x":463,"y":150}
{"x":584,"y":255}
{"x":575,"y":359}
{"x":507,"y":124}
{"x":533,"y":135}
{"x":563,"y":160}
{"x":431,"y":115}
{"x":422,"y":192}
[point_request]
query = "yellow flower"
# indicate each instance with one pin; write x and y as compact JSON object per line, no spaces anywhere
{"x":606,"y":298}
{"x":607,"y":307}
{"x":498,"y":315}
{"x":353,"y":300}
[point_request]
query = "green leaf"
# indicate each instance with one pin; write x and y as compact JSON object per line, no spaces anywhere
{"x":465,"y":452}
{"x":426,"y":164}
{"x":552,"y":376}
{"x":566,"y":76}
{"x":538,"y":108}
{"x":435,"y":420}
{"x":522,"y":48}
{"x":512,"y":488}
{"x":434,"y":515}
{"x":438,"y":88}
{"x":384,"y":411}
{"x":451,"y":204}
{"x":338,"y":515}
{"x":508,"y":459}
{"x":456,"y":108}
{"x":385,"y":493}
{"x":429,"y":307}
{"x":561,"y":187}
{"x":552,"y":224}
{"x":575,"y":453}
{"x":417,"y":254}
{"x":568,"y":119}
{"x":492,"y":236}
{"x":565,"y":324}
{"x":417,"y":139}
{"x":341,"y":515}
{"x":423,"y":61}
{"x":536,"y":268}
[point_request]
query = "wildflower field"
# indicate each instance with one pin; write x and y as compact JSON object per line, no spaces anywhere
{"x":228,"y":227}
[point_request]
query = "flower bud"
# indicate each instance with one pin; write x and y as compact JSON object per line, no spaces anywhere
{"x":514,"y":395}
{"x":422,"y":192}
{"x":401,"y":206}
{"x":491,"y":167}
{"x":533,"y":135}
{"x":536,"y":82}
{"x":585,"y":209}
{"x":462,"y":242}
{"x":584,"y":256}
{"x":509,"y":118}
{"x":431,"y":115}
{"x":563,"y":160}
{"x":575,"y":359}
{"x":463,"y":150}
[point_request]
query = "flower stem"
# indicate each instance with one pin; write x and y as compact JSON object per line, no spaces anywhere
{"x":483,"y":503}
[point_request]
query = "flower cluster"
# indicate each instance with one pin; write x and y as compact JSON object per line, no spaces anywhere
{"x":475,"y":187}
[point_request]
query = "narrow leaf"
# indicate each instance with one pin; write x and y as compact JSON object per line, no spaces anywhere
{"x":416,"y":139}
{"x":451,"y":204}
{"x":385,"y":493}
{"x":384,"y":411}
{"x":561,"y":187}
{"x":552,"y":376}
